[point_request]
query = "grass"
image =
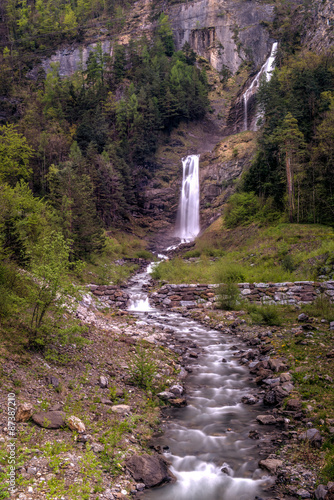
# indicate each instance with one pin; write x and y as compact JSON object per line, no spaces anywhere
{"x":285,"y":252}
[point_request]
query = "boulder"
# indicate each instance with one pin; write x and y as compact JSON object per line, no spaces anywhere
{"x":313,"y":436}
{"x":177,"y":389}
{"x":303,"y":317}
{"x":149,"y":469}
{"x":321,"y":492}
{"x":52,"y":380}
{"x":277,"y":365}
{"x":50,"y":419}
{"x":121,"y":409}
{"x":266,"y":419}
{"x":75,"y":424}
{"x":166,"y":395}
{"x":271,"y":464}
{"x":103,"y":382}
{"x":24,"y":412}
{"x":249,"y":399}
{"x":293,"y":405}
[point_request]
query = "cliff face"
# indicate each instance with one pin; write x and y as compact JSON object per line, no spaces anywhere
{"x":224,"y":32}
{"x":320,"y":35}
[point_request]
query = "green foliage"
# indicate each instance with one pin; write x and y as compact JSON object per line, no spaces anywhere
{"x":23,"y":219}
{"x":50,"y":266}
{"x":15,"y":154}
{"x":245,"y":208}
{"x":266,"y":314}
{"x":143,"y":368}
{"x":294,"y":156}
{"x":321,"y":307}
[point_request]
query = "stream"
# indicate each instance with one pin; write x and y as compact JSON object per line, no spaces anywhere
{"x":207,"y":441}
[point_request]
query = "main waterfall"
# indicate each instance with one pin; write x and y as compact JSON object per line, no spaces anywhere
{"x":188,"y":217}
{"x":266,"y":72}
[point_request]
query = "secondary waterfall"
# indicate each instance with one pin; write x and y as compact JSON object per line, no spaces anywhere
{"x":189,"y":204}
{"x":265,"y":72}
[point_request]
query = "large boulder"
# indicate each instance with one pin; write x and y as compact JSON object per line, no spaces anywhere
{"x":50,"y":419}
{"x":149,"y":469}
{"x":24,"y":412}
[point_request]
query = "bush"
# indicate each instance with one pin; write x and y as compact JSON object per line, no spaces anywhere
{"x":228,"y":291}
{"x":241,"y":210}
{"x":192,"y":254}
{"x":322,"y":307}
{"x":267,"y":314}
{"x":144,"y":254}
{"x":143,"y":369}
{"x":228,"y":295}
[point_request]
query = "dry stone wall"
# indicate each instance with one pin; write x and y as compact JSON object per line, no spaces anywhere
{"x":188,"y":296}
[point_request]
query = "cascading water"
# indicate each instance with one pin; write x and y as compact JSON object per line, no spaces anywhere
{"x":214,"y":428}
{"x":189,"y":204}
{"x":266,"y":72}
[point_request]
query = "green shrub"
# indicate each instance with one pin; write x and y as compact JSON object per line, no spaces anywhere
{"x":241,"y":210}
{"x":143,"y":368}
{"x":267,"y":314}
{"x":192,"y":254}
{"x":230,"y":273}
{"x":322,"y":307}
{"x":228,"y":295}
{"x":144,"y":254}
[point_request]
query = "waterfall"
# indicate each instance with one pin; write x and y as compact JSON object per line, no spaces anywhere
{"x":189,"y":203}
{"x":266,"y":72}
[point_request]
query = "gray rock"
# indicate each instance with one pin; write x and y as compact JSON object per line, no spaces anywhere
{"x":285,"y":377}
{"x":331,"y":325}
{"x":177,"y":390}
{"x":121,"y":409}
{"x":271,"y":464}
{"x":50,"y":419}
{"x":320,"y":492}
{"x":313,"y":436}
{"x":249,"y":399}
{"x":303,"y":493}
{"x":108,"y":494}
{"x":52,"y":380}
{"x":140,"y":486}
{"x":103,"y":382}
{"x":149,"y":469}
{"x":294,"y":405}
{"x":266,"y":419}
{"x":287,"y":387}
{"x":303,"y":317}
{"x":31,"y":470}
{"x":97,"y":447}
{"x":277,"y":365}
{"x":165,"y":395}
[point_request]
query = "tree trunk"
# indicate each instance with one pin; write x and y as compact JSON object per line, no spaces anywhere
{"x":289,"y":180}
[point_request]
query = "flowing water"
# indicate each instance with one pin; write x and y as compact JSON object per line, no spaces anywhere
{"x":188,"y":219}
{"x":265,"y":72}
{"x":211,"y":433}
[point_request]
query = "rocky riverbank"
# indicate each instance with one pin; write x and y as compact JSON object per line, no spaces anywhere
{"x":91,"y":417}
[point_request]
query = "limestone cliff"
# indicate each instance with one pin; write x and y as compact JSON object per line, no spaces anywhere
{"x":319,"y":35}
{"x":224,"y":32}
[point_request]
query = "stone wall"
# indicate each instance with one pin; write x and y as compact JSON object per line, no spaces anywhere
{"x":188,"y":296}
{"x":112,"y":295}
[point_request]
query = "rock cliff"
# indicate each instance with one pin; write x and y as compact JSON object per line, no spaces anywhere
{"x":224,"y":32}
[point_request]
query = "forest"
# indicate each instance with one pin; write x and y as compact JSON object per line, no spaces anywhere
{"x":76,"y":152}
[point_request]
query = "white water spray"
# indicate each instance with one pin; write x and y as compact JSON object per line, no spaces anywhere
{"x":189,"y":205}
{"x":265,"y":71}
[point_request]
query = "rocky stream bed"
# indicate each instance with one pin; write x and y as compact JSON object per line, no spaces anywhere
{"x":65,"y":410}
